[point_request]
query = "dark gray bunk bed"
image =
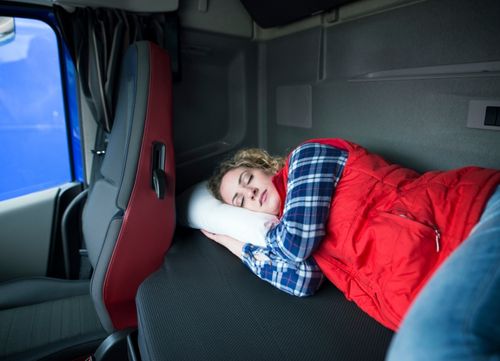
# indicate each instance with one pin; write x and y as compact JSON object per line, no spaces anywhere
{"x":400,"y":81}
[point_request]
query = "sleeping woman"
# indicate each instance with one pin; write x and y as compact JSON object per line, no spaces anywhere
{"x":376,"y":230}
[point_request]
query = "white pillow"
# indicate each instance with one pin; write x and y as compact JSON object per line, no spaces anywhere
{"x":198,"y":208}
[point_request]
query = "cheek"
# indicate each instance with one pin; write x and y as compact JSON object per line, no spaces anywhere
{"x":225,"y":194}
{"x":276,"y":198}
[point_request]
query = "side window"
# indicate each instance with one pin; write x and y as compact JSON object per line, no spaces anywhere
{"x":34,"y":142}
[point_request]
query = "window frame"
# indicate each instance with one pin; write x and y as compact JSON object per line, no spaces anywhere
{"x":69,"y":83}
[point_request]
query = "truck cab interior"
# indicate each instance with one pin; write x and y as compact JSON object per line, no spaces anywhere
{"x":111,"y":112}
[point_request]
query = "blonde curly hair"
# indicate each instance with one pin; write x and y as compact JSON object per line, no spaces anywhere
{"x":255,"y":158}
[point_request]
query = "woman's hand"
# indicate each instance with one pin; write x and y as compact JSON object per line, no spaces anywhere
{"x":235,"y":246}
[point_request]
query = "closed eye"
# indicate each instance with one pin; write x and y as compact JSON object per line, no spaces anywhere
{"x":238,"y":200}
{"x":244,"y":179}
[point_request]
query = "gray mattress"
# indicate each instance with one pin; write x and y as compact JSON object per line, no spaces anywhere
{"x":204,"y":304}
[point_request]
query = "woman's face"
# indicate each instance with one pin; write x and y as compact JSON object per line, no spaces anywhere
{"x":252,"y":189}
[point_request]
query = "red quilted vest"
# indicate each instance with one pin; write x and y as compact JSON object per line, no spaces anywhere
{"x":390,"y":227}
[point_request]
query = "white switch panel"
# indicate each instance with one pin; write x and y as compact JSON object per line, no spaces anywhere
{"x":477,"y":113}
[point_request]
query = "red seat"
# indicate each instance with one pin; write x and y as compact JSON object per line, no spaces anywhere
{"x":127,"y":222}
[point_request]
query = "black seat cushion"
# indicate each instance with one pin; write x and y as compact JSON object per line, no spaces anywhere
{"x":204,"y":304}
{"x":47,"y":318}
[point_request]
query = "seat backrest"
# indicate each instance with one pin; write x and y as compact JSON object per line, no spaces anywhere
{"x":129,"y":217}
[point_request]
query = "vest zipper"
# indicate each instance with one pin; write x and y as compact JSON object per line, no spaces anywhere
{"x":437,"y":233}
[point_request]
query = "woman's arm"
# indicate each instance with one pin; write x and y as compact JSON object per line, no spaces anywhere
{"x":313,"y":173}
{"x":230,"y":243}
{"x":296,"y":278}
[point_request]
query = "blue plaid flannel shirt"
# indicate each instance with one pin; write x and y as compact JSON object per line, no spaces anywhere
{"x":313,"y":173}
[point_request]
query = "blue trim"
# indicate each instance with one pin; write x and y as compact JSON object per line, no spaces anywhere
{"x":70,"y":94}
{"x":72,"y":116}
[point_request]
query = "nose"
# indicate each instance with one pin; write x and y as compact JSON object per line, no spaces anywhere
{"x":251,"y":192}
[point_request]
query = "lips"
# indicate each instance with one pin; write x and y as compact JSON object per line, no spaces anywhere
{"x":263,"y":197}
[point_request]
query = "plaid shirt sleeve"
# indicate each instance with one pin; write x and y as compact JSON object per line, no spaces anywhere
{"x":296,"y":278}
{"x":313,"y":173}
